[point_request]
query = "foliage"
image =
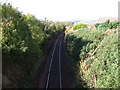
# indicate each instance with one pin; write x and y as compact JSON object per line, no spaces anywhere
{"x":107,"y":25}
{"x":25,"y":40}
{"x":101,"y":69}
{"x":79,"y":25}
{"x":16,"y":35}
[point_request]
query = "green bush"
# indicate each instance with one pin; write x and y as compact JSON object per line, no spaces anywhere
{"x":99,"y":70}
{"x":25,"y":40}
{"x":107,"y":25}
{"x":79,"y":25}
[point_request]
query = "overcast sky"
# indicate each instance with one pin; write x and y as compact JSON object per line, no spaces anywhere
{"x":67,"y":9}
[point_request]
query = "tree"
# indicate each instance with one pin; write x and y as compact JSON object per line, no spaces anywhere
{"x":16,"y":35}
{"x":79,"y":25}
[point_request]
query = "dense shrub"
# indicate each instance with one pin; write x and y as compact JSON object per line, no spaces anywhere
{"x":16,"y":35}
{"x":107,"y":25}
{"x":25,"y":40}
{"x":99,"y":69}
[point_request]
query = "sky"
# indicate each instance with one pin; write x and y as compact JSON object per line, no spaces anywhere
{"x":65,"y":10}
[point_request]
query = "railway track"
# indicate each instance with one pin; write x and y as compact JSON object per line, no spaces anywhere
{"x":54,"y":79}
{"x":56,"y":72}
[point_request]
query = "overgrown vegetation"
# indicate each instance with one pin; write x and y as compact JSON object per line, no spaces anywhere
{"x":25,"y":40}
{"x":94,"y":56}
{"x":107,"y":25}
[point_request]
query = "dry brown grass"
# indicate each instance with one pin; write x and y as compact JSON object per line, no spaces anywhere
{"x":110,"y":31}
